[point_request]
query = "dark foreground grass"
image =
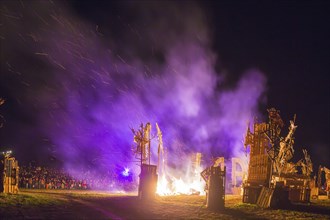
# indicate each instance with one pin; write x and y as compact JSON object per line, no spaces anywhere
{"x":101,"y":205}
{"x":38,"y":205}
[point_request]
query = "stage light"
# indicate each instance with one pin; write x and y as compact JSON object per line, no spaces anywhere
{"x":125,"y":172}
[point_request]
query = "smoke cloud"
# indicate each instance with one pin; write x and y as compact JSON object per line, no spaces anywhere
{"x":83,"y":86}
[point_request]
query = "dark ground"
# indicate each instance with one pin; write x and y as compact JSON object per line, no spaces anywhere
{"x":59,"y":204}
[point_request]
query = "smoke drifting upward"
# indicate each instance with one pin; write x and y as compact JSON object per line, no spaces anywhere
{"x":84,"y":86}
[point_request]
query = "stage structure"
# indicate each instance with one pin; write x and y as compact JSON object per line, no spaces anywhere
{"x":273,"y":179}
{"x":239,"y":169}
{"x":9,"y":173}
{"x":319,"y":190}
{"x":215,"y":178}
{"x":148,"y":175}
{"x":9,"y":168}
{"x":327,"y":181}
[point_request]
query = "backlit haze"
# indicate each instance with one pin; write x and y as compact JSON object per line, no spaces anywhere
{"x":84,"y":86}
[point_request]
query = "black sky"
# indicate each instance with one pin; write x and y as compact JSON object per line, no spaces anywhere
{"x":287,"y":40}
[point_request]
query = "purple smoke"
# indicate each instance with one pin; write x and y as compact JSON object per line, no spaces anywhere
{"x":94,"y":87}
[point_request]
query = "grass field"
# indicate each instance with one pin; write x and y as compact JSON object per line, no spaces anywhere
{"x":59,"y":204}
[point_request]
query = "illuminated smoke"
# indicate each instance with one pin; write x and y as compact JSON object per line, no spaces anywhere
{"x":90,"y":84}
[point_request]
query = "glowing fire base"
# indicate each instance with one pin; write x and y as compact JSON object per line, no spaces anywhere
{"x":215,"y":196}
{"x":148,"y":181}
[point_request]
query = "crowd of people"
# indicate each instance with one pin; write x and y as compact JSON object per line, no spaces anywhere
{"x":49,"y":178}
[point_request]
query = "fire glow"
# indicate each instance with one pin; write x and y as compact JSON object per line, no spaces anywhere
{"x":170,"y":185}
{"x":192,"y":183}
{"x":179,"y":187}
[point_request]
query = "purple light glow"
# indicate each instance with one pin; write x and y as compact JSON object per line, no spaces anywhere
{"x":125,"y":172}
{"x":95,"y":87}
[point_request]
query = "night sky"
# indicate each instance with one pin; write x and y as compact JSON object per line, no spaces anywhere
{"x":77,"y":75}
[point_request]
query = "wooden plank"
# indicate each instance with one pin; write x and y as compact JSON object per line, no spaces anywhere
{"x":265,"y":197}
